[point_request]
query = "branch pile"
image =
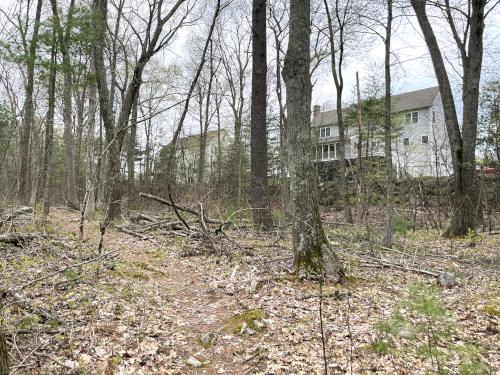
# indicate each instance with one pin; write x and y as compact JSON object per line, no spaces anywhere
{"x":185,"y":222}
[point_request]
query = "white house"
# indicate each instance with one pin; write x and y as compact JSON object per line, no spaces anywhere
{"x":420,"y":142}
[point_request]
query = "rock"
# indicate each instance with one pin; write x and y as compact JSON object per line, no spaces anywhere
{"x":207,"y":340}
{"x":253,"y":285}
{"x":258,"y":324}
{"x":243,"y":327}
{"x":230,"y":290}
{"x":446,"y":280}
{"x":192,"y":361}
{"x":85,"y":358}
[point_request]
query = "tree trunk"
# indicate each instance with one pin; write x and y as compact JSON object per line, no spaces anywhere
{"x":359,"y":148}
{"x":389,"y":184}
{"x":312,"y":252}
{"x":28,"y":110}
{"x":113,"y":188}
{"x":258,"y":143}
{"x":69,"y":144}
{"x":90,"y":175}
{"x":462,"y":141}
{"x":80,"y":110}
{"x":173,"y":144}
{"x":131,"y":153}
{"x":49,"y":130}
{"x":337,"y":52}
{"x":4,"y":350}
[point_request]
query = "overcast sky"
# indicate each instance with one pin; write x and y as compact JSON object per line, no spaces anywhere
{"x":412,"y":69}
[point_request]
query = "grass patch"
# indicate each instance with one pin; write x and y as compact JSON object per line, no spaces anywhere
{"x":492,"y":310}
{"x":249,"y":317}
{"x":401,"y":225}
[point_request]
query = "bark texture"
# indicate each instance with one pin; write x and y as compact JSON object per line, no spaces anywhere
{"x":132,"y":143}
{"x":49,"y":131}
{"x":28,"y":111}
{"x":312,"y":252}
{"x":258,"y":183}
{"x":69,"y":144}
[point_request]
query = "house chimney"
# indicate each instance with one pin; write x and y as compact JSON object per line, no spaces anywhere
{"x":316,"y":112}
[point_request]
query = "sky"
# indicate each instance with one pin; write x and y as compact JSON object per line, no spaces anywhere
{"x":412,"y":67}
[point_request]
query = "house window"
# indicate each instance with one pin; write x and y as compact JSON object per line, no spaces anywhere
{"x":411,"y":117}
{"x":433,"y":117}
{"x":406,"y":141}
{"x":328,"y":152}
{"x":324,"y":132}
{"x":425,"y":139}
{"x":324,"y":152}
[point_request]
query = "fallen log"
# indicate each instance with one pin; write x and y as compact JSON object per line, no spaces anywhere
{"x":16,"y":213}
{"x":180,"y":208}
{"x":133,"y":233}
{"x":165,"y":224}
{"x":134,"y":218}
{"x":20,"y":238}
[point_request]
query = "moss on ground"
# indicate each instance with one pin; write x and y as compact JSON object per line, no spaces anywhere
{"x":249,"y":317}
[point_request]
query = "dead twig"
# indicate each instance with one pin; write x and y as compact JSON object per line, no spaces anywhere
{"x":178,"y":207}
{"x":176,"y":211}
{"x":16,"y":213}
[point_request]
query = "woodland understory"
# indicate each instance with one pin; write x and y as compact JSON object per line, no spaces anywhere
{"x":178,"y":292}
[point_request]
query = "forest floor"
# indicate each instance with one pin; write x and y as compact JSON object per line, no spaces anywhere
{"x":158,"y":309}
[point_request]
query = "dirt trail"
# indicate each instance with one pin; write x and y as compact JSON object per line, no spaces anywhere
{"x":193,"y":305}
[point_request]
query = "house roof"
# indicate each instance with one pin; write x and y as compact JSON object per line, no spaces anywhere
{"x":193,"y":140}
{"x":399,"y":103}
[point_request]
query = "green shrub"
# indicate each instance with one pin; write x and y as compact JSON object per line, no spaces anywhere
{"x":400,"y":225}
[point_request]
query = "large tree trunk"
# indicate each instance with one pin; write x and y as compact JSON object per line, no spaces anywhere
{"x":28,"y":110}
{"x":389,"y":183}
{"x":312,"y":252}
{"x":49,"y":131}
{"x":462,"y":141}
{"x":258,"y":143}
{"x":113,"y":193}
{"x":69,"y":144}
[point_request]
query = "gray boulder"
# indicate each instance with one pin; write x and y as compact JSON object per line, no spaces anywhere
{"x":446,"y":280}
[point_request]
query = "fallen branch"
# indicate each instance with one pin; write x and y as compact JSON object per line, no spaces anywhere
{"x":177,"y":211}
{"x":29,"y":283}
{"x":381,"y":263}
{"x":133,"y":233}
{"x":19,"y":238}
{"x":24,"y":303}
{"x":16,"y":213}
{"x":178,"y":207}
{"x":337,"y":295}
{"x":134,"y":218}
{"x":165,"y":224}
